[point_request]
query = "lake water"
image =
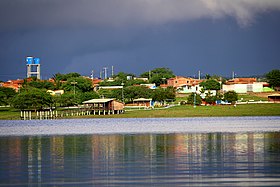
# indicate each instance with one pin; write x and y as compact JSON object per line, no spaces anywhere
{"x":243,"y":151}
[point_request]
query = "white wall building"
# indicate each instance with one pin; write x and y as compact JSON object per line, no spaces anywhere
{"x":244,"y":88}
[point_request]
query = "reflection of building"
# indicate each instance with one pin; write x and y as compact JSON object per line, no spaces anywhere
{"x":57,"y":154}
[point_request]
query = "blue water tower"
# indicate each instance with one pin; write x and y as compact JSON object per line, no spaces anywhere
{"x":33,"y":67}
{"x":29,"y":60}
{"x":36,"y":60}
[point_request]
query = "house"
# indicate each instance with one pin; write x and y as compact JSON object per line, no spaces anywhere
{"x":15,"y":84}
{"x":142,"y":102}
{"x":274,"y":98}
{"x":184,"y":85}
{"x":241,"y":81}
{"x":104,"y":106}
{"x":110,"y":87}
{"x":243,"y":85}
{"x":151,"y":86}
{"x":141,"y":78}
{"x":55,"y":92}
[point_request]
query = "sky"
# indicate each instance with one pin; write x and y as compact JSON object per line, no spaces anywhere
{"x":135,"y":36}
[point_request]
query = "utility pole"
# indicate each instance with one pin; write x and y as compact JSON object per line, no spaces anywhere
{"x":232,"y":74}
{"x":122,"y":93}
{"x":194,"y":99}
{"x":91,"y":75}
{"x":105,"y":72}
{"x":74,"y":83}
{"x":112,"y":71}
{"x":198,"y":74}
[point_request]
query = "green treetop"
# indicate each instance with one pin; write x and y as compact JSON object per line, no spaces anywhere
{"x":273,"y":78}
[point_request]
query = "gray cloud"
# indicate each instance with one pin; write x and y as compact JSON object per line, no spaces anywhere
{"x":34,"y":14}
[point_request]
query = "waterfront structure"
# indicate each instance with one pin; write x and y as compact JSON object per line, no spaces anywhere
{"x":104,"y":106}
{"x":142,"y":102}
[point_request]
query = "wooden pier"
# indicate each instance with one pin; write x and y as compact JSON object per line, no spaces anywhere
{"x":55,"y":114}
{"x":90,"y":107}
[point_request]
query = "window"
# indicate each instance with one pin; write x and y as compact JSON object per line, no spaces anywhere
{"x":249,"y":88}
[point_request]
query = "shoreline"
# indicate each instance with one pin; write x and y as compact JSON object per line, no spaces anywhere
{"x":140,"y":126}
{"x":258,"y":109}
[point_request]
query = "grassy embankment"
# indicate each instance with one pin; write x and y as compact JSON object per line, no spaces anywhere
{"x":187,"y":110}
{"x":180,"y":111}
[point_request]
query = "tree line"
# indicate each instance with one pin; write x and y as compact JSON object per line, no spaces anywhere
{"x":33,"y":94}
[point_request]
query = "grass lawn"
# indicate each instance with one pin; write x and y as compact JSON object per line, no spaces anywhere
{"x":206,"y":111}
{"x":179,"y":111}
{"x":248,"y":97}
{"x":9,"y":113}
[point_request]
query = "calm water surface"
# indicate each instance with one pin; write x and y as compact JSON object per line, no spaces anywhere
{"x":145,"y":159}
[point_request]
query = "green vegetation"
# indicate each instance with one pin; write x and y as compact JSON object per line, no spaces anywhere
{"x":33,"y":94}
{"x":180,"y":111}
{"x":231,"y":96}
{"x":32,"y":98}
{"x":273,"y":78}
{"x":6,"y":95}
{"x":249,"y":97}
{"x":209,"y":111}
{"x":158,"y":75}
{"x":210,"y":84}
{"x":7,"y":113}
{"x":191,"y":97}
{"x":40,"y":84}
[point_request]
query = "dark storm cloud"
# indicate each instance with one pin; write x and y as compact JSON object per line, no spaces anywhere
{"x":17,"y":14}
{"x":137,"y":35}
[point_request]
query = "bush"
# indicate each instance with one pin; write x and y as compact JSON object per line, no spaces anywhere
{"x":231,"y":96}
{"x":198,"y":99}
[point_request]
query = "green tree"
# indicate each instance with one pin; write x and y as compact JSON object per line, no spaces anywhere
{"x":197,"y":97}
{"x":121,"y":76}
{"x":87,"y":96}
{"x":67,"y":99}
{"x":273,"y":78}
{"x":210,"y":98}
{"x":78,"y":84}
{"x":106,"y":93}
{"x":64,"y":77}
{"x":6,"y":95}
{"x":158,"y":75}
{"x":39,"y":84}
{"x":135,"y":92}
{"x":32,"y":98}
{"x":207,"y":76}
{"x":231,"y":96}
{"x":210,"y":84}
{"x":162,"y":95}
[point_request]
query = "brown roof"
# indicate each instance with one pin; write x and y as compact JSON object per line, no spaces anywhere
{"x":241,"y":81}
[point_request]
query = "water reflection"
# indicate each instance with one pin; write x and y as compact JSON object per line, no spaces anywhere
{"x":148,"y":159}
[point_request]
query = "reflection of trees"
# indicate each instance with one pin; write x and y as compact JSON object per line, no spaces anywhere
{"x":130,"y":157}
